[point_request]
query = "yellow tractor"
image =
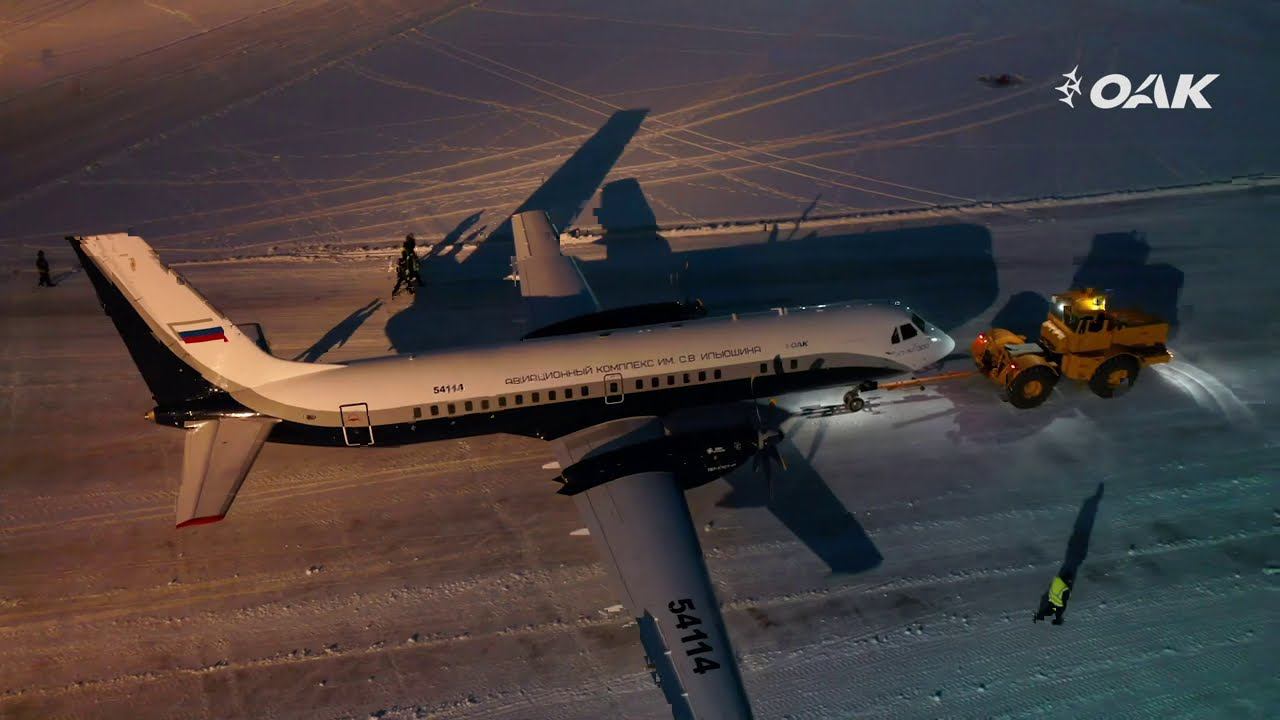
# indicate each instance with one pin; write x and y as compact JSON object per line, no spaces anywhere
{"x":1081,"y":339}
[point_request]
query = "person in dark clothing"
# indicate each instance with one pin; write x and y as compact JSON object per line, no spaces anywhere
{"x":1054,"y":602}
{"x":408,"y":267}
{"x":42,"y":266}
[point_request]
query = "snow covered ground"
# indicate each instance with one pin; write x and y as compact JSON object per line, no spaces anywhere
{"x":442,"y":580}
{"x":751,"y":110}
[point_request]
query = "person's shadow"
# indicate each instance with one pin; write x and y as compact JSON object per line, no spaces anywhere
{"x":57,"y":279}
{"x":1078,"y":545}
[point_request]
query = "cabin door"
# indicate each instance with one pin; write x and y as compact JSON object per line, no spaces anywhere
{"x":613,"y":392}
{"x":356,"y":429}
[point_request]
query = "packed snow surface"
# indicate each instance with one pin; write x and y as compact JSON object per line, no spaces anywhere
{"x":277,"y":151}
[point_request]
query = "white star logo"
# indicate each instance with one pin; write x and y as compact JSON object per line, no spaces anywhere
{"x":1070,"y":88}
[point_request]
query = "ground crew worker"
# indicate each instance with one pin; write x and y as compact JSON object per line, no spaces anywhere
{"x":408,"y":267}
{"x":42,"y":266}
{"x":1054,"y":602}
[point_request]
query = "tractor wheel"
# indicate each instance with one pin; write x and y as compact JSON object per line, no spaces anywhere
{"x":854,"y":402}
{"x":1115,"y":376}
{"x":1032,"y":386}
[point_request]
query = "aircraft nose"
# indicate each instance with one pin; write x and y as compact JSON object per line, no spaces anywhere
{"x":944,"y":346}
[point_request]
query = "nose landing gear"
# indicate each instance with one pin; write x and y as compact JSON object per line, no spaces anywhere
{"x":853,"y":402}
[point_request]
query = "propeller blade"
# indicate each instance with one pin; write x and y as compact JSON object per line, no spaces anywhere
{"x":782,"y":462}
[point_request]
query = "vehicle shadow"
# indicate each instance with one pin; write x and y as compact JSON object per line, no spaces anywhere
{"x":1117,"y":263}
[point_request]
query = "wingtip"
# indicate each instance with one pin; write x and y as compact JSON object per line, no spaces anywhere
{"x":200,"y":521}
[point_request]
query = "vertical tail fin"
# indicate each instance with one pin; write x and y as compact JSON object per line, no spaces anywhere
{"x":185,"y":348}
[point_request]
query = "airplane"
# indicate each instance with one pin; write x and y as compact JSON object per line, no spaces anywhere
{"x":606,"y":388}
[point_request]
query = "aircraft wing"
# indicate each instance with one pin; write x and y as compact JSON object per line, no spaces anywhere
{"x":641,"y":525}
{"x":550,"y":282}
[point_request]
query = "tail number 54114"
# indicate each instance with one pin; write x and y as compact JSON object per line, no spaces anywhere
{"x":695,"y":643}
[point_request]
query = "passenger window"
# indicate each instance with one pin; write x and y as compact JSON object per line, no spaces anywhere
{"x":653,"y":382}
{"x":519,"y":399}
{"x":502,"y":401}
{"x":435,"y":410}
{"x":639,"y":384}
{"x":764,"y":368}
{"x":568,"y":393}
{"x":717,"y":373}
{"x":671,"y":379}
{"x":702,"y":375}
{"x":686,"y":378}
{"x":794,"y":363}
{"x":468,"y":406}
{"x":417,"y":413}
{"x":908,"y":331}
{"x":536,"y":397}
{"x":484,"y":404}
{"x":551,"y":395}
{"x":895,"y":339}
{"x":585,"y":391}
{"x":452,"y":409}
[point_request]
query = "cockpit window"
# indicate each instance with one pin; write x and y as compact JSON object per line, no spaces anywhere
{"x":908,"y":331}
{"x":919,"y":323}
{"x":896,"y":339}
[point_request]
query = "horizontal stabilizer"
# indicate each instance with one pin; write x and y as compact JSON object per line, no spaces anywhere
{"x":550,"y":282}
{"x":217,"y":458}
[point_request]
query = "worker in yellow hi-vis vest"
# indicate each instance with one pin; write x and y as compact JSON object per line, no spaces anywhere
{"x":1054,"y":602}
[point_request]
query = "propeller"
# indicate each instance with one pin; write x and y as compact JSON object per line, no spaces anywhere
{"x":767,"y":454}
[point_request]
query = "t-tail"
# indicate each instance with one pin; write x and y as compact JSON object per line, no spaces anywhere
{"x":194,"y":360}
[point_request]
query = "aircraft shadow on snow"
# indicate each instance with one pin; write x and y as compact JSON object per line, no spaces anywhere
{"x":475,"y":289}
{"x":338,"y":335}
{"x":946,"y":272}
{"x":803,"y":502}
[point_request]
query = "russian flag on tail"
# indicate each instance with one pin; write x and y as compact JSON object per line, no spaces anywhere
{"x":202,"y":332}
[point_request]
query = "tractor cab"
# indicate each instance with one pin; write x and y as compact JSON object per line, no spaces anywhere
{"x":1077,"y":322}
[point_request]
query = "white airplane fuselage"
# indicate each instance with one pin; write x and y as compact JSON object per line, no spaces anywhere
{"x":550,"y":386}
{"x":201,"y":366}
